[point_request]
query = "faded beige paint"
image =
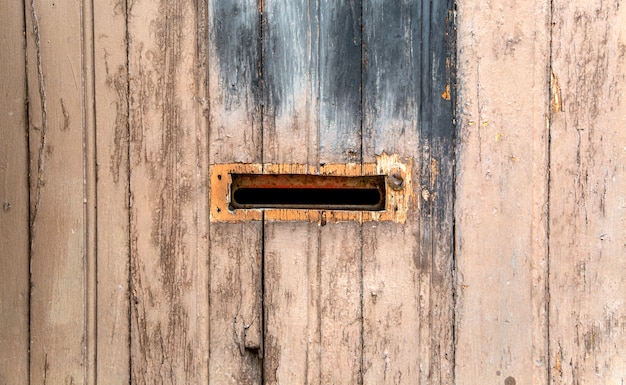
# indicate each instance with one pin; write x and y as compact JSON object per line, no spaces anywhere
{"x":502,"y":193}
{"x":14,"y":209}
{"x":588,"y":194}
{"x":60,"y":108}
{"x":168,"y":206}
{"x":112,"y":236}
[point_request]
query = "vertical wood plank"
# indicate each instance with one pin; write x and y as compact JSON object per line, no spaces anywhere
{"x":311,"y":69}
{"x":14,"y":246}
{"x":340,"y":244}
{"x":395,"y":294}
{"x":111,"y":97}
{"x":587,"y":193}
{"x":236,"y":318}
{"x":437,"y":187}
{"x":58,"y":219}
{"x":290,"y":135}
{"x":407,"y":268}
{"x":169,"y":278}
{"x":501,"y":199}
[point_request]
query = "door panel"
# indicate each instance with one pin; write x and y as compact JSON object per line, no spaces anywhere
{"x":338,"y":84}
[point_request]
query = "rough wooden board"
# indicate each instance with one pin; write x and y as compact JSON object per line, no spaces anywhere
{"x":339,"y":303}
{"x":437,"y":187}
{"x":588,"y":194}
{"x":236,"y":316}
{"x":292,"y":324}
{"x":407,"y":268}
{"x":311,"y":95}
{"x":501,"y":198}
{"x":291,"y":289}
{"x":392,"y":346}
{"x":339,"y":88}
{"x":14,"y":247}
{"x":58,"y":218}
{"x":340,"y":244}
{"x":111,"y":97}
{"x":169,"y":298}
{"x":234,"y":76}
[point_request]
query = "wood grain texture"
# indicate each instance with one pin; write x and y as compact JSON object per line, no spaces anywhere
{"x":311,"y":72}
{"x":587,"y":194}
{"x":395,"y":286}
{"x":501,"y":197}
{"x":14,"y":225}
{"x":407,"y":280}
{"x":111,"y":97}
{"x":437,"y":186}
{"x":290,"y":44}
{"x":168,"y":131}
{"x":235,"y":266}
{"x":58,"y":107}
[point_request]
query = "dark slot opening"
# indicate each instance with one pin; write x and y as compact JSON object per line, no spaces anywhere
{"x":294,"y":191}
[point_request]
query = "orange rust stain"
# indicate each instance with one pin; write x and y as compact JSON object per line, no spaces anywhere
{"x":446,"y":93}
{"x":557,"y":363}
{"x":555,"y":94}
{"x":397,"y":202}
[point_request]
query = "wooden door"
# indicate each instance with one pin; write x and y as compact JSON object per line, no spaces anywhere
{"x":505,"y":267}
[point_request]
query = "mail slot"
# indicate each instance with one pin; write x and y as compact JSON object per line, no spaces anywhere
{"x":381,"y":191}
{"x":313,"y":192}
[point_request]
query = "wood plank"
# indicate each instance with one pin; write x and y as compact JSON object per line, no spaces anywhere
{"x":311,"y":73}
{"x":291,"y":275}
{"x":169,"y":278}
{"x":437,"y":187}
{"x":14,"y":225}
{"x":236,"y":317}
{"x":407,"y":295}
{"x":393,"y":282}
{"x":501,"y":246}
{"x":58,"y":194}
{"x":340,"y":244}
{"x":111,"y":97}
{"x":587,"y":202}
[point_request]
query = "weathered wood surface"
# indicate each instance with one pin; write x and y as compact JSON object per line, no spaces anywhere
{"x":405,"y":272}
{"x":588,"y":194}
{"x":14,"y":224}
{"x":501,"y":197}
{"x":111,"y":119}
{"x":129,"y":104}
{"x":168,"y":202}
{"x":235,"y":276}
{"x":292,"y":262}
{"x":61,"y":311}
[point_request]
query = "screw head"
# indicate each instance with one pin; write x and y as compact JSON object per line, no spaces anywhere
{"x":395,"y":178}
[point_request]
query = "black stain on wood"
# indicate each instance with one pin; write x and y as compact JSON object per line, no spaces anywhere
{"x":235,"y":31}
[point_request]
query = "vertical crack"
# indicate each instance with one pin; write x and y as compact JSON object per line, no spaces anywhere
{"x":89,"y":187}
{"x":361,"y":110}
{"x":552,"y":88}
{"x":44,"y":119}
{"x":129,"y":287}
{"x":30,"y":187}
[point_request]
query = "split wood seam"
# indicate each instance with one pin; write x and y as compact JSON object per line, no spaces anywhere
{"x":398,"y":202}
